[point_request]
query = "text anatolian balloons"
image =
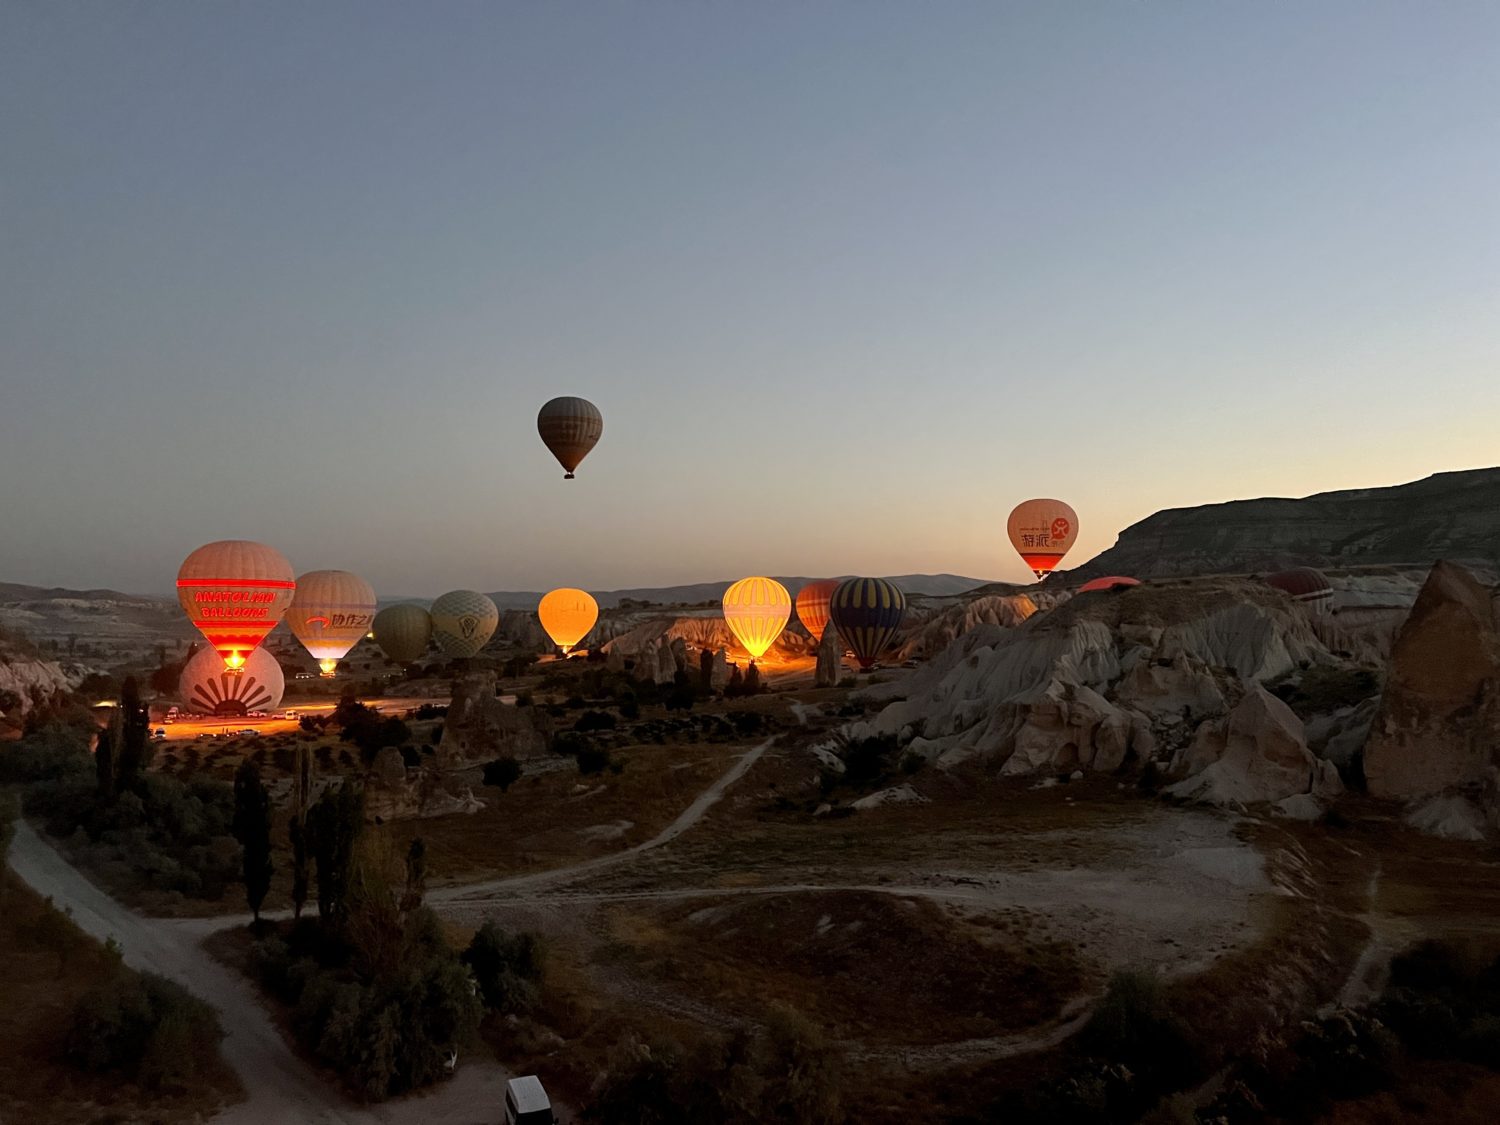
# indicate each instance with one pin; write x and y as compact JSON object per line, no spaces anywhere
{"x":867,"y":612}
{"x":567,"y":615}
{"x":402,"y":632}
{"x":331,"y":611}
{"x":570,"y":427}
{"x":757,"y":610}
{"x":462,"y":621}
{"x":235,"y":592}
{"x":812,"y":605}
{"x":1042,"y":531}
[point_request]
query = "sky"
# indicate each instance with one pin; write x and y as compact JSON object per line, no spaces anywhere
{"x":847,"y":280}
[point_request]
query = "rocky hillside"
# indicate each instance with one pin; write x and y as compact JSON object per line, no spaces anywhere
{"x":1449,"y":515}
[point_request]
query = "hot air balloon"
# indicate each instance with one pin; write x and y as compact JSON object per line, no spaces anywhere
{"x":1112,"y":582}
{"x":567,"y":615}
{"x":867,"y":612}
{"x":756,"y":610}
{"x":1307,"y":586}
{"x":330,"y":612}
{"x":570,"y":427}
{"x":812,"y":605}
{"x":1041,"y":532}
{"x":462,"y":621}
{"x":235,"y":592}
{"x":208,"y":688}
{"x":402,"y":632}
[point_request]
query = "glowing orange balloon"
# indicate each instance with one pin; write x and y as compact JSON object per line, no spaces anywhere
{"x":235,"y":592}
{"x":812,"y":605}
{"x":1042,"y":531}
{"x":567,"y":615}
{"x":757,"y":610}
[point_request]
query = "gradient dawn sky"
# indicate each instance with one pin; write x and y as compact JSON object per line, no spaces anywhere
{"x":848,"y":280}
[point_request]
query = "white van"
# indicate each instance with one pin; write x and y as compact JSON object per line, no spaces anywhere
{"x":526,"y":1103}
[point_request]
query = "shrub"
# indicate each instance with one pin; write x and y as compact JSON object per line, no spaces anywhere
{"x":148,"y":1027}
{"x":506,"y":967}
{"x":1135,"y":1026}
{"x":502,"y":773}
{"x":592,"y":760}
{"x":595,"y":720}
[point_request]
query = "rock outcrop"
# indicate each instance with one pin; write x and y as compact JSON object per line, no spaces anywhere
{"x":1256,"y":753}
{"x":830,"y":659}
{"x":1449,"y":515}
{"x":480,"y":727}
{"x":1438,"y":724}
{"x":1170,"y":674}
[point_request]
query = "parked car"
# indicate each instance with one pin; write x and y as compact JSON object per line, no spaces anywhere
{"x":248,"y":732}
{"x":292,"y":714}
{"x":159,"y":732}
{"x":526,"y":1103}
{"x":255,"y":715}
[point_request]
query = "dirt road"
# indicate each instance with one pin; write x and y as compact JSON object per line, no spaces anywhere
{"x":282,"y":1088}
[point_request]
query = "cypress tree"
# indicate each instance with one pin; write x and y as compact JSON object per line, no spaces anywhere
{"x":333,"y":826}
{"x":133,"y":750}
{"x":104,"y":759}
{"x":252,"y":828}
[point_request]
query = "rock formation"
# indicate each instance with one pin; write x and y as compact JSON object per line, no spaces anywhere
{"x":1256,"y":753}
{"x":646,"y":662}
{"x":720,"y":676}
{"x":666,"y":661}
{"x":1438,"y":725}
{"x":1170,"y":674}
{"x":1449,"y":515}
{"x":830,"y":659}
{"x":480,"y":727}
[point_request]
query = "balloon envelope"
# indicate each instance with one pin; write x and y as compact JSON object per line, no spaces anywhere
{"x":1308,"y":586}
{"x":330,"y":612}
{"x":235,"y":591}
{"x":402,"y":632}
{"x":1112,"y":582}
{"x":1042,"y":531}
{"x":867,"y":612}
{"x":812,"y":605}
{"x":757,"y":610}
{"x":462,"y":621}
{"x":570,"y":427}
{"x":208,"y":688}
{"x":567,"y":615}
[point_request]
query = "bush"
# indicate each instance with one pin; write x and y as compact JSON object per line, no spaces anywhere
{"x":595,"y":720}
{"x":1135,"y":1026}
{"x":507,"y":968}
{"x":152,"y":1030}
{"x":53,"y":752}
{"x":502,"y":773}
{"x":593,"y":760}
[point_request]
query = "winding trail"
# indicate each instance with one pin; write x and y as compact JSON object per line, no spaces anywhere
{"x":281,"y":1088}
{"x":686,"y":819}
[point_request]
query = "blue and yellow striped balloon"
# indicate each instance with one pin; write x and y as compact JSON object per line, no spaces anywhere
{"x":867,"y":612}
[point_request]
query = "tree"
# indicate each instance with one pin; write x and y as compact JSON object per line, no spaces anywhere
{"x":299,"y":865}
{"x":736,"y":685}
{"x":104,"y":760}
{"x":416,"y":875}
{"x":333,"y":826}
{"x":752,"y":680}
{"x":133,"y":752}
{"x":706,"y":672}
{"x":252,"y":828}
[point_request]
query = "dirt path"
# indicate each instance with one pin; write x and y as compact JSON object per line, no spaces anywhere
{"x":281,"y":1087}
{"x":685,"y":820}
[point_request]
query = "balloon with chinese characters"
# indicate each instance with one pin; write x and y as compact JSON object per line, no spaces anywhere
{"x":331,"y":611}
{"x":1042,"y":531}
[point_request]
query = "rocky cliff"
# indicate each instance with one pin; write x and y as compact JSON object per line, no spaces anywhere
{"x":1448,"y":515}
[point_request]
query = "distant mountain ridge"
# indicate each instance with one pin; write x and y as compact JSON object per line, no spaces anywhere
{"x":1448,"y":515}
{"x":931,"y":585}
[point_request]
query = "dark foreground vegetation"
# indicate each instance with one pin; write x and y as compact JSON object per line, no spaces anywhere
{"x":146,"y":835}
{"x":85,"y":1037}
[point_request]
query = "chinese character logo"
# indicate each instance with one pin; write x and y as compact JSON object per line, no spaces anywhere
{"x":1061,"y":527}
